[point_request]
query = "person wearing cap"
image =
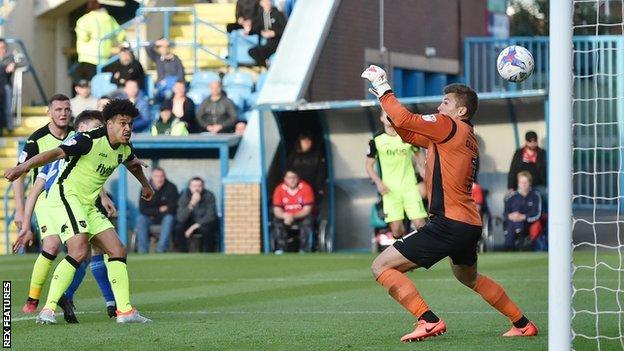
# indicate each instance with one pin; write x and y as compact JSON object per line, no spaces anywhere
{"x":168,"y":124}
{"x":126,"y":68}
{"x":83,"y":100}
{"x":530,"y":158}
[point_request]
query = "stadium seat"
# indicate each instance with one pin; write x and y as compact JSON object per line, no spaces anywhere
{"x":101,"y":84}
{"x":149,"y":86}
{"x":203,"y":79}
{"x":198,"y":94}
{"x":238,"y":80}
{"x":238,"y":47}
{"x":260,"y":81}
{"x":239,"y":98}
{"x":252,"y":99}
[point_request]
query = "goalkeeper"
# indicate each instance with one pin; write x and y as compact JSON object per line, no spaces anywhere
{"x":455,"y":224}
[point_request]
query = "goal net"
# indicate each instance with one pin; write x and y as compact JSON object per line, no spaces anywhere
{"x":597,"y":175}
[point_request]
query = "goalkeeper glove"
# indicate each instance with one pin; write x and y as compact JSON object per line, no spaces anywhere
{"x":378,"y":79}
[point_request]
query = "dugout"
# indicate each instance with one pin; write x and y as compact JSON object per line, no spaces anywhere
{"x":344,"y":128}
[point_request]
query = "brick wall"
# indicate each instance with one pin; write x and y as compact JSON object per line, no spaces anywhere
{"x":243,"y":227}
{"x":410,"y":27}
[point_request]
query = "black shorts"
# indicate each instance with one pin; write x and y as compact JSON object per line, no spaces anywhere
{"x":439,"y":238}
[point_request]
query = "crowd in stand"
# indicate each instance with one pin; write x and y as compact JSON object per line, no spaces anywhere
{"x":188,"y":219}
{"x":165,"y":108}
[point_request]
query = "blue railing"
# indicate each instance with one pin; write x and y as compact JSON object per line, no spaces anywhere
{"x":31,"y":68}
{"x":598,"y":129}
{"x":480,"y":54}
{"x":140,"y":19}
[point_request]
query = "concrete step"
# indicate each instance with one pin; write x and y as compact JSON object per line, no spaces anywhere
{"x":6,"y":162}
{"x":213,"y":13}
{"x":205,"y":35}
{"x":23,"y":131}
{"x":3,"y":243}
{"x":34,"y":110}
{"x":9,"y":152}
{"x":35,"y":121}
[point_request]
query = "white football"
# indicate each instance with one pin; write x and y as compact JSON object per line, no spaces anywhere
{"x":515,"y":63}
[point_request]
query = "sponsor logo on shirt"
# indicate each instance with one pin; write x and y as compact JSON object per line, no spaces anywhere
{"x":429,"y":118}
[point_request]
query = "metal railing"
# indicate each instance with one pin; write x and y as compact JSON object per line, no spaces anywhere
{"x":480,"y":54}
{"x":141,"y":19}
{"x":598,"y":129}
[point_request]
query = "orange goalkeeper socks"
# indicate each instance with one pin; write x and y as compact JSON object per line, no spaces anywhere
{"x":495,"y":295}
{"x":403,"y":290}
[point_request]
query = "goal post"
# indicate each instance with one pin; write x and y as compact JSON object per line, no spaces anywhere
{"x":560,"y":117}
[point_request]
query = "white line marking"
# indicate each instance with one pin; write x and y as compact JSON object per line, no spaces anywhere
{"x":60,"y":315}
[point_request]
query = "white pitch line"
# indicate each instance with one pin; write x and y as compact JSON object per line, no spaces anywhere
{"x":19,"y":319}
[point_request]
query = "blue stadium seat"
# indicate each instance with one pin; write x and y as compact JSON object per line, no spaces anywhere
{"x":239,"y":45}
{"x":239,"y":98}
{"x":198,"y":94}
{"x":203,"y":79}
{"x":149,"y":86}
{"x":101,"y":84}
{"x":238,"y":80}
{"x":260,"y":81}
{"x":252,"y":99}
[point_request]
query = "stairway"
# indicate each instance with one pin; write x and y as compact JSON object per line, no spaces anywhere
{"x":218,"y":14}
{"x":33,"y":118}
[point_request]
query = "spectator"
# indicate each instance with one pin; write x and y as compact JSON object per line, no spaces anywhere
{"x":530,"y":158}
{"x":293,"y":201}
{"x":161,"y":209}
{"x":217,"y":113}
{"x":169,"y":67}
{"x":7,"y":67}
{"x":197,"y":214}
{"x":478,"y":196}
{"x":310,"y":164}
{"x":132,"y":92}
{"x":183,"y":107}
{"x":126,"y":68}
{"x":102,"y":101}
{"x":90,"y":28}
{"x":270,"y":24}
{"x":246,"y":11}
{"x":523,"y":210}
{"x":83,"y":99}
{"x":168,"y":124}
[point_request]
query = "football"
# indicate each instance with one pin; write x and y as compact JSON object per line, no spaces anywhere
{"x":515,"y":63}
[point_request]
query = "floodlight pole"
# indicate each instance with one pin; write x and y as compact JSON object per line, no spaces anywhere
{"x":560,"y":177}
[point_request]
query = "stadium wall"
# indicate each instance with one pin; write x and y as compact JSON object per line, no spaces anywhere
{"x":353,"y":41}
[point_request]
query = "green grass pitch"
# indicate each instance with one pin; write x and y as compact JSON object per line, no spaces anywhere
{"x":290,"y":302}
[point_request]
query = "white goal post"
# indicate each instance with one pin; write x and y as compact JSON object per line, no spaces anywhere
{"x":560,"y":176}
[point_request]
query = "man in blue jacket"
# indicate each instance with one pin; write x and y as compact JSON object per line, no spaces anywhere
{"x":523,"y":210}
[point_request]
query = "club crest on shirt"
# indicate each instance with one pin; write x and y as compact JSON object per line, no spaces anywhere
{"x":429,"y":118}
{"x":70,"y":142}
{"x":44,"y":229}
{"x":83,"y":224}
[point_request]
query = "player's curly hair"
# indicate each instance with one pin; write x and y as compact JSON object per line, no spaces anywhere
{"x":119,"y":107}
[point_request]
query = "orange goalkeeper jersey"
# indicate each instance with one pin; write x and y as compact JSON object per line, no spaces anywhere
{"x":452,"y":153}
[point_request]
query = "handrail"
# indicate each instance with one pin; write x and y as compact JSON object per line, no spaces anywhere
{"x":31,"y":68}
{"x":166,"y":10}
{"x":8,"y":217}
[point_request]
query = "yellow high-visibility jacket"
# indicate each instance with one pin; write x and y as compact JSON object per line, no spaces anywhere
{"x":90,"y":28}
